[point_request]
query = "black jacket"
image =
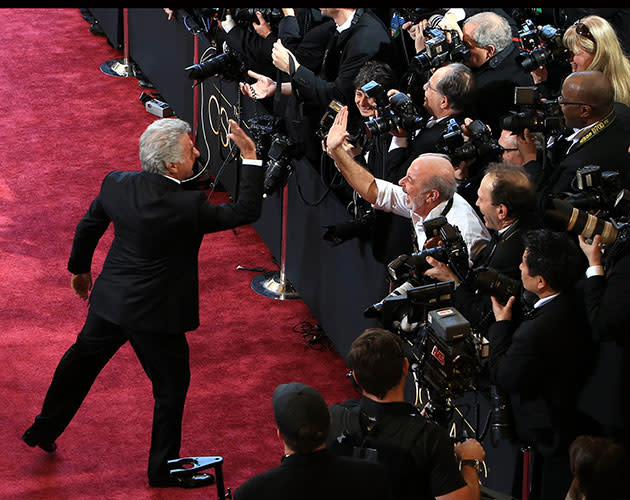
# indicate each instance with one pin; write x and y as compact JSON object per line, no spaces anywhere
{"x":149,"y":280}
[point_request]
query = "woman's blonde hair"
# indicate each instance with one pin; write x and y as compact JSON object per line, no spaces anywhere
{"x":608,"y":55}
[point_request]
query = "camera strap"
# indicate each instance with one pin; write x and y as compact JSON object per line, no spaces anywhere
{"x":595,"y":130}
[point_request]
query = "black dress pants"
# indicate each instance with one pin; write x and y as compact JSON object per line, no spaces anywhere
{"x":165,"y":359}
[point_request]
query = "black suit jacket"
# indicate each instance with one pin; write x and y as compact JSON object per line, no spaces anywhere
{"x":607,"y":149}
{"x":317,"y":476}
{"x":538,"y":363}
{"x":149,"y":280}
{"x":494,"y":87}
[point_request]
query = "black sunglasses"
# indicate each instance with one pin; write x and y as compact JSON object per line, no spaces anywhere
{"x":582,"y":30}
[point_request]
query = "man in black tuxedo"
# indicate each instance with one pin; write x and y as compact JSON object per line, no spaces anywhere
{"x":493,"y":54}
{"x":447,"y":95}
{"x":308,"y":469}
{"x":537,"y":362}
{"x":147,"y":291}
{"x":598,"y":136}
{"x":606,"y":296}
{"x":506,"y":200}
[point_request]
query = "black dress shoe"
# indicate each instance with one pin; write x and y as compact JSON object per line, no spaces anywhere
{"x":30,"y":440}
{"x":194,"y":481}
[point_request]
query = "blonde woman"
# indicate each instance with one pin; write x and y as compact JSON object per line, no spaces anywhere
{"x":594,"y":46}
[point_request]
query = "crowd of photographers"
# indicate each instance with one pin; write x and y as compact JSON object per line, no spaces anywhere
{"x":486,"y":149}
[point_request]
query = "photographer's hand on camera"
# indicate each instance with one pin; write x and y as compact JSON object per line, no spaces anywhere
{"x":592,"y":250}
{"x":440,"y":271}
{"x":416,"y":32}
{"x":262,"y":27}
{"x":527,"y":146}
{"x":502,"y":312}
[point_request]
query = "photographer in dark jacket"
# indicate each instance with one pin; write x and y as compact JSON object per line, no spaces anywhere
{"x":596,"y":135}
{"x":495,"y":68}
{"x":607,"y":299}
{"x":418,"y":453}
{"x":538,"y":361}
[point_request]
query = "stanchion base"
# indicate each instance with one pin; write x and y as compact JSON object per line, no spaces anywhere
{"x":116,"y":67}
{"x":270,"y":285}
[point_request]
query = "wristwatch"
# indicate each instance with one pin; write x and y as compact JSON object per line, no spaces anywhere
{"x":473,"y":462}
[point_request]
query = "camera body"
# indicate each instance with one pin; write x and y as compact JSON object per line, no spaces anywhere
{"x":441,"y":46}
{"x":397,"y":111}
{"x":453,"y":252}
{"x":275,"y":148}
{"x":481,"y":143}
{"x":541,"y":46}
{"x":246,"y":16}
{"x":536,"y":115}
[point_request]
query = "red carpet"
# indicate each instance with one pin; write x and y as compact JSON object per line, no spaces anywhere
{"x":65,"y":125}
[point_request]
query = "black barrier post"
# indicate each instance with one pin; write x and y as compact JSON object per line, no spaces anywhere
{"x":120,"y":67}
{"x":273,"y":284}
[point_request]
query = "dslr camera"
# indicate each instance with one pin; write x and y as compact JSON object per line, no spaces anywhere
{"x":397,"y":111}
{"x":541,"y":46}
{"x":441,"y":46}
{"x":536,"y":114}
{"x":452,"y":251}
{"x":245,"y":17}
{"x":276,"y":149}
{"x":228,"y":65}
{"x":480,"y":144}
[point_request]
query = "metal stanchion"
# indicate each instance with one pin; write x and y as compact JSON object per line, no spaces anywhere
{"x":120,"y":67}
{"x":273,"y":284}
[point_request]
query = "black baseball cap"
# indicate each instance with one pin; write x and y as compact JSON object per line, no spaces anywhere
{"x":296,"y":404}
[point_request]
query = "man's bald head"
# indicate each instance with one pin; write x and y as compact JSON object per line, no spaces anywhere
{"x":592,"y":88}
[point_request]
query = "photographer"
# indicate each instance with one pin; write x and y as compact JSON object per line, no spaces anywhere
{"x":596,"y":135}
{"x":506,"y":200}
{"x":359,"y":37}
{"x":427,"y":190}
{"x":422,"y":461}
{"x":605,"y":291}
{"x":447,"y":94}
{"x":495,"y":68}
{"x":538,"y":361}
{"x":389,"y":233}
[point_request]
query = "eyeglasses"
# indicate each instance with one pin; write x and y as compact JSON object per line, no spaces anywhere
{"x":561,"y":101}
{"x":427,"y":86}
{"x":582,"y":30}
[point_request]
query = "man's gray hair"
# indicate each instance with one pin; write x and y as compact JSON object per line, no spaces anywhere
{"x":490,"y":29}
{"x":445,"y":186}
{"x":159,"y":144}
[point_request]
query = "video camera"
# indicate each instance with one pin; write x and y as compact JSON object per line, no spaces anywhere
{"x":536,"y":114}
{"x":276,"y":149}
{"x":397,"y":111}
{"x":228,"y":65}
{"x":481,"y":143}
{"x":541,"y":46}
{"x":441,"y":47}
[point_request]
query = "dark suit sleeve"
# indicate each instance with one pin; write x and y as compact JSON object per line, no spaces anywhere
{"x":513,"y":358}
{"x":88,"y":232}
{"x":246,"y":209}
{"x":608,"y":302}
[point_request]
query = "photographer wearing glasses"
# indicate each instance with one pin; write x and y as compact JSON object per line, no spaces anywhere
{"x":596,"y":135}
